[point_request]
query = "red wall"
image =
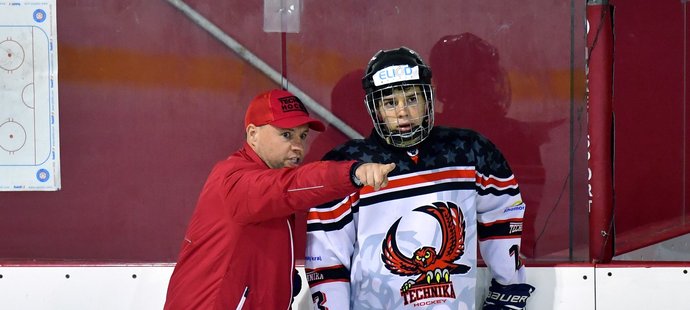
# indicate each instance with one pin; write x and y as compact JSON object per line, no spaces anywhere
{"x":651,"y":116}
{"x":149,"y":101}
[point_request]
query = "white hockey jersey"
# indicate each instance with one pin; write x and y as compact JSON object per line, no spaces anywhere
{"x":413,"y":244}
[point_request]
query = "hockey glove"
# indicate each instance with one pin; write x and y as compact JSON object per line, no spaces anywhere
{"x":296,"y":283}
{"x":507,"y":297}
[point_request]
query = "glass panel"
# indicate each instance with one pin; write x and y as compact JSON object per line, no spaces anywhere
{"x":153,"y":93}
{"x":651,"y":117}
{"x":493,"y":71}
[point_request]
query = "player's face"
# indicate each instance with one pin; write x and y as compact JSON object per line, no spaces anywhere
{"x":403,"y":110}
{"x":278,"y":147}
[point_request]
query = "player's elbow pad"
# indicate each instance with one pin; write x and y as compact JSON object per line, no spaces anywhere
{"x":507,"y":297}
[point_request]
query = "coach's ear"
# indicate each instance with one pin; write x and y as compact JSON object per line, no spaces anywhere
{"x":252,"y":135}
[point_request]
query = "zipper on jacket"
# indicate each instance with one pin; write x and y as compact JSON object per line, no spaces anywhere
{"x":243,"y":299}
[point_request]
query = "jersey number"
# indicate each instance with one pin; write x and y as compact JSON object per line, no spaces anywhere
{"x":515,"y":251}
{"x":319,"y":299}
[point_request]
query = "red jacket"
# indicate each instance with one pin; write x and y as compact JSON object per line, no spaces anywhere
{"x":240,"y":235}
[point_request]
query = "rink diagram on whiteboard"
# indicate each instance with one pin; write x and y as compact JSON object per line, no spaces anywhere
{"x":25,"y":116}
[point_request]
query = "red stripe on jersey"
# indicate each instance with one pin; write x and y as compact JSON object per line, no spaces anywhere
{"x":335,"y":213}
{"x":417,"y":179}
{"x":514,"y":220}
{"x":324,"y":269}
{"x":486,"y":181}
{"x":500,"y":238}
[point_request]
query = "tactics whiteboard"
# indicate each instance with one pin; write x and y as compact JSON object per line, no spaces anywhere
{"x":29,"y":136}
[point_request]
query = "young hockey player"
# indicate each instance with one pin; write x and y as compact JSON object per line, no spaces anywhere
{"x":414,"y":243}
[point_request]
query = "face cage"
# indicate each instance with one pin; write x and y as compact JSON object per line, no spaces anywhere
{"x":418,"y":133}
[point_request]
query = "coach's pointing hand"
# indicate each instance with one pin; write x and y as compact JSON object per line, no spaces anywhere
{"x":374,"y":175}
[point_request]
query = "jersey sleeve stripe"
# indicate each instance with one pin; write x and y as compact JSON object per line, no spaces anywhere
{"x":497,"y":192}
{"x":330,"y":214}
{"x":503,"y":229}
{"x":491,"y":181}
{"x":329,"y":274}
{"x":336,"y":225}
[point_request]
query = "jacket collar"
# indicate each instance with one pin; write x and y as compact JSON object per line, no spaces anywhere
{"x":247,"y":152}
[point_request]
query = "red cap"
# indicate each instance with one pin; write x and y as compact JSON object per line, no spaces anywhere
{"x":279,"y":108}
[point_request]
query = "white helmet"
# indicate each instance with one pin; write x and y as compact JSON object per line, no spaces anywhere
{"x":398,"y":69}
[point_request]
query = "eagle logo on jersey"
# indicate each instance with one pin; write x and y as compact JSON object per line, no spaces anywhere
{"x":433,"y":267}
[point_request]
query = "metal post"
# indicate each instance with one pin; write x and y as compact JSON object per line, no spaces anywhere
{"x":600,"y":131}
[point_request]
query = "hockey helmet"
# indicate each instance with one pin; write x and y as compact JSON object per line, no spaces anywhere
{"x":399,"y":70}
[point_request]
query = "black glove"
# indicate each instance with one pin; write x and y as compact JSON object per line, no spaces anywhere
{"x":296,"y":283}
{"x":507,"y":297}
